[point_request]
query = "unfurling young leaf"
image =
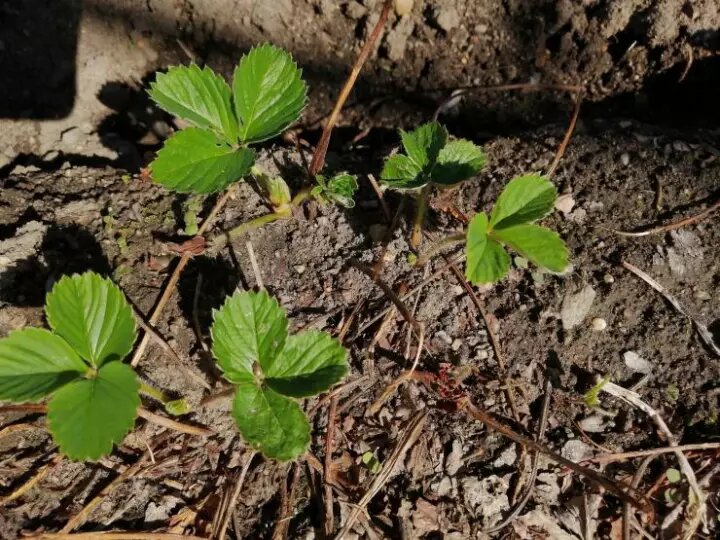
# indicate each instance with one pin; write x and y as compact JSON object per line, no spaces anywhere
{"x":524,"y":200}
{"x":269,"y":368}
{"x":93,"y":395}
{"x":275,"y":188}
{"x":430,"y":158}
{"x":340,"y":189}
{"x":267,"y":96}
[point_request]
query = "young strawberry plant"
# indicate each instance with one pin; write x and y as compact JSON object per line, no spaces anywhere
{"x":267,"y":96}
{"x":93,"y":395}
{"x":511,"y":224}
{"x":271,"y":369}
{"x":430,"y":159}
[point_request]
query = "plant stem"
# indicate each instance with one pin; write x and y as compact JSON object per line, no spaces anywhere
{"x":438,"y":246}
{"x":255,"y":223}
{"x":154,"y":393}
{"x":422,"y":204}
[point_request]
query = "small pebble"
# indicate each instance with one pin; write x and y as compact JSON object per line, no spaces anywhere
{"x":703,"y":295}
{"x":403,"y":7}
{"x":300,"y":269}
{"x":625,"y":159}
{"x":599,"y":324}
{"x":607,"y":278}
{"x":482,"y":355}
{"x":456,"y":344}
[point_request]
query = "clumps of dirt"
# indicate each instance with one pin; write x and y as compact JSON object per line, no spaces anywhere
{"x":458,"y":477}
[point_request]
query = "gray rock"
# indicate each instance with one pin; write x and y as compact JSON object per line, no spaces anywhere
{"x":636,"y":363}
{"x":447,"y":17}
{"x":575,"y":307}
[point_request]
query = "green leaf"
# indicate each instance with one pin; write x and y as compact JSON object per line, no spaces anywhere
{"x":272,"y":423}
{"x":400,"y":172}
{"x":199,"y":96}
{"x":196,"y":161}
{"x":541,"y":246}
{"x":88,"y":416}
{"x":525,"y":199}
{"x":310,"y":363}
{"x":268,"y":91}
{"x":35,"y":363}
{"x":487,"y":261}
{"x":340,"y":189}
{"x":423,"y":144}
{"x":458,"y":161}
{"x":250,"y":327}
{"x":90,"y":312}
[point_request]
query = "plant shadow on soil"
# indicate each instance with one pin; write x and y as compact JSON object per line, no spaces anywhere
{"x":65,"y":249}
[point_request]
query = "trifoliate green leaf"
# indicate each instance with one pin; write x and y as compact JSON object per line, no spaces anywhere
{"x":541,"y":246}
{"x":249,"y":328}
{"x":35,"y":363}
{"x":196,"y":161}
{"x":91,"y":313}
{"x":524,"y":200}
{"x":310,"y":363}
{"x":457,"y":161}
{"x":272,"y":423}
{"x":487,"y":261}
{"x":268,"y":92}
{"x":340,"y":189}
{"x":400,"y":172}
{"x":87,"y":416}
{"x":423,"y":144}
{"x":198,"y":96}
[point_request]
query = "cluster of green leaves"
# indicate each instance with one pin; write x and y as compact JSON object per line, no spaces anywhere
{"x":267,"y":96}
{"x":340,"y":189}
{"x":270,"y":369}
{"x":430,"y":158}
{"x":524,"y":200}
{"x":93,"y":394}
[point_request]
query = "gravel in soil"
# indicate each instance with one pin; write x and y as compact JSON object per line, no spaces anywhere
{"x":458,"y":477}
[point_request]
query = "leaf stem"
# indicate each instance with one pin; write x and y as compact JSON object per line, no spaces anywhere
{"x":438,"y":246}
{"x":420,"y":212}
{"x":154,"y":393}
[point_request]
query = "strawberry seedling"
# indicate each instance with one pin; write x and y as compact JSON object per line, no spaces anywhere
{"x":270,"y":369}
{"x":267,"y":96}
{"x":430,"y":159}
{"x":93,"y":394}
{"x":511,"y":224}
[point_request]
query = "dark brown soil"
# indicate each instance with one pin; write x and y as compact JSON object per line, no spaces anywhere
{"x":645,"y":151}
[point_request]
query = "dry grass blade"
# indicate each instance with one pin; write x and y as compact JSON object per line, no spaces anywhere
{"x":33,"y":481}
{"x":566,"y":139}
{"x":174,"y":424}
{"x":318,"y":160}
{"x":705,"y":334}
{"x":673,"y":225}
{"x":286,"y":506}
{"x":255,"y":266}
{"x":699,"y":504}
{"x":229,"y":506}
{"x":620,"y":456}
{"x":637,"y":477}
{"x":407,"y":440}
{"x":327,"y":467}
{"x":118,"y":536}
{"x":175,"y":277}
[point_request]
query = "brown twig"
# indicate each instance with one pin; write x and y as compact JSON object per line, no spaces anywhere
{"x":336,"y":392}
{"x":381,"y":197}
{"x":410,"y":434}
{"x":327,"y":468}
{"x":672,"y":225}
{"x":232,"y":501}
{"x":630,"y":496}
{"x":38,"y":477}
{"x":621,"y":456}
{"x":566,"y":139}
{"x":174,"y":424}
{"x":318,"y":160}
{"x":542,"y":426}
{"x":175,"y":277}
{"x":705,"y":334}
{"x":494,"y":340}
